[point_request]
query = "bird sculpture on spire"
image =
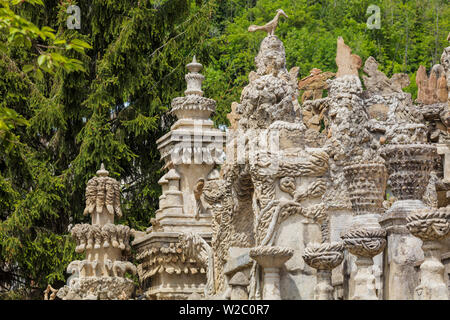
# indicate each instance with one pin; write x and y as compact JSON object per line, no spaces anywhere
{"x":270,"y":26}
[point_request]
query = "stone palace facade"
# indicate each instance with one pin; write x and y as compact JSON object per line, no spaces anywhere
{"x":344,"y":196}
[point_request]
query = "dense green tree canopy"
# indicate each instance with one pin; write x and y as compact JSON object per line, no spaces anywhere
{"x":73,"y":98}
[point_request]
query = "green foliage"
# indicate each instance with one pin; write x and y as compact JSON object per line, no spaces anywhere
{"x":412,"y":33}
{"x":73,"y":99}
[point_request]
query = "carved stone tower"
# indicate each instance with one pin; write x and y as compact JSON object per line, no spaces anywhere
{"x":101,"y":275}
{"x":190,"y":150}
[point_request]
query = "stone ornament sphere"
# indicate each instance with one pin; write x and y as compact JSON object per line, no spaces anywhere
{"x":271,"y":256}
{"x":324,"y":256}
{"x":429,"y":224}
{"x":365,"y":242}
{"x":366,"y":185}
{"x":409,"y":167}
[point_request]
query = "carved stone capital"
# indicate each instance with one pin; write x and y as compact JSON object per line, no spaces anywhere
{"x":90,"y":237}
{"x":365,"y":242}
{"x":409,"y":167}
{"x":429,"y":224}
{"x":271,"y":257}
{"x":324,"y":256}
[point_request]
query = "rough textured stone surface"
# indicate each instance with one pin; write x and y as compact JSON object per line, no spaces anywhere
{"x":175,"y":258}
{"x":359,"y":165}
{"x":431,"y":225}
{"x":348,"y":63}
{"x":101,"y":275}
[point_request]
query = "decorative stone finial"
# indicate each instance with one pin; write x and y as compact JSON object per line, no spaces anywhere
{"x":102,"y":192}
{"x":194,"y":79}
{"x":194,"y":66}
{"x":102,"y":172}
{"x":270,"y":26}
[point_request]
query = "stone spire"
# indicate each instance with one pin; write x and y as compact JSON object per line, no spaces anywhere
{"x":191,"y":151}
{"x":101,"y":275}
{"x":194,"y":79}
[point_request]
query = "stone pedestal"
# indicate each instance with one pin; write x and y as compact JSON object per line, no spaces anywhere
{"x":364,"y":280}
{"x":365,"y":244}
{"x":402,"y":252}
{"x":431,"y":225}
{"x":324,"y":257}
{"x":409,"y":167}
{"x":271,"y":259}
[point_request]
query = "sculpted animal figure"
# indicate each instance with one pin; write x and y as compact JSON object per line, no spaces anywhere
{"x":121,"y":267}
{"x":270,"y":26}
{"x":197,"y":248}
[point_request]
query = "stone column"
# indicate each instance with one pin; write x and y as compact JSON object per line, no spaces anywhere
{"x":365,"y":243}
{"x":239,"y":283}
{"x":324,"y":257}
{"x":366,"y":187}
{"x":190,"y":150}
{"x":431,"y":225}
{"x":271,"y":259}
{"x":101,"y":275}
{"x":409,"y":167}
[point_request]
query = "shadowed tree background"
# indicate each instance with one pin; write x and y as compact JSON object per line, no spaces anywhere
{"x":103,"y":97}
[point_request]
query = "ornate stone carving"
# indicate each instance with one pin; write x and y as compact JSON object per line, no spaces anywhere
{"x":94,"y":236}
{"x":271,"y":260}
{"x":102,"y":274}
{"x":409,"y":168}
{"x":173,"y":263}
{"x":270,"y":26}
{"x":293,"y":176}
{"x":170,"y":259}
{"x":102,"y":192}
{"x":365,"y":244}
{"x":431,"y":225}
{"x":367,"y":184}
{"x":199,"y":250}
{"x":324,"y":257}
